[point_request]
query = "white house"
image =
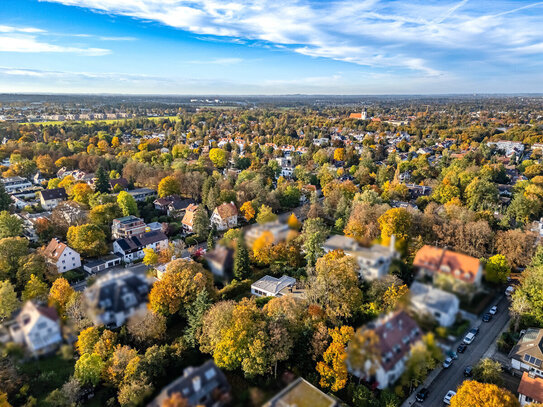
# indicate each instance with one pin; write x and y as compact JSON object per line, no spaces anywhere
{"x":527,"y":354}
{"x":435,"y":303}
{"x":374,"y":262}
{"x":15,"y":184}
{"x":62,"y":256}
{"x":225,"y":216}
{"x":37,"y":327}
{"x":50,"y":198}
{"x":530,"y":389}
{"x":397,"y":332}
{"x":131,"y":248}
{"x":269,"y":286}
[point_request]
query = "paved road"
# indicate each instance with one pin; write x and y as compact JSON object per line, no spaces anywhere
{"x":451,"y":378}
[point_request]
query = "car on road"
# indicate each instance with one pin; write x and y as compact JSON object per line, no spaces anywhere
{"x":447,"y":399}
{"x":509,"y":291}
{"x":487,"y":317}
{"x":474,"y":331}
{"x":422,"y":395}
{"x":452,"y":354}
{"x":462,"y":348}
{"x":493,"y":310}
{"x":468,"y":371}
{"x":469,"y":338}
{"x":447,"y":362}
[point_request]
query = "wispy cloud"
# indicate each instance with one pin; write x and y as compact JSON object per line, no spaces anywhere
{"x":30,"y":44}
{"x":12,"y":29}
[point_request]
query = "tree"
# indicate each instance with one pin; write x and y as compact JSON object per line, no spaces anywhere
{"x":417,"y":367}
{"x":4,"y":400}
{"x":475,"y":394}
{"x":169,"y":186}
{"x":333,"y":285}
{"x":103,"y":215}
{"x":397,"y":222}
{"x":363,"y":222}
{"x":60,"y":294}
{"x":262,"y":247}
{"x":488,"y":371}
{"x":147,"y":327}
{"x":248,"y":210}
{"x":35,"y":289}
{"x":242,"y":267}
{"x":527,"y":300}
{"x":333,"y":368}
{"x":175,"y":400}
{"x":134,"y":392}
{"x":364,"y":352}
{"x":200,"y":223}
{"x":195,"y":315}
{"x":10,"y":225}
{"x":517,"y":246}
{"x":8,"y":300}
{"x":150,"y":258}
{"x":497,"y":269}
{"x":87,"y":339}
{"x":88,"y":239}
{"x":339,"y":154}
{"x":102,"y":181}
{"x":218,"y":157}
{"x":5,"y":200}
{"x":127,"y":203}
{"x":88,"y":369}
{"x":81,"y":193}
{"x":481,"y":194}
{"x":265,"y":215}
{"x":13,"y":252}
{"x":313,"y":236}
{"x":179,"y":286}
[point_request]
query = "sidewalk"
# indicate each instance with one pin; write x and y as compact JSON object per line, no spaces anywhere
{"x":431,"y":377}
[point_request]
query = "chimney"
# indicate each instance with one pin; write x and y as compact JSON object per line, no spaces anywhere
{"x":392,"y":243}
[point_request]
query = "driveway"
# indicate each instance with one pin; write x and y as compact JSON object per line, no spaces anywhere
{"x":451,"y":378}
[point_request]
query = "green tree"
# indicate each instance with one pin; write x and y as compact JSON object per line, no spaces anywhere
{"x":481,"y":194}
{"x":103,"y":215}
{"x":102,"y":181}
{"x":13,"y":252}
{"x":89,"y":240}
{"x":211,"y":240}
{"x":497,"y":269}
{"x":265,"y":215}
{"x":169,"y":186}
{"x":8,"y":300}
{"x":242,"y":267}
{"x":488,"y":371}
{"x":10,"y":225}
{"x":127,"y":203}
{"x":35,"y":289}
{"x":195,"y":315}
{"x":5,"y":200}
{"x":200,"y":223}
{"x":88,"y":369}
{"x":313,"y":236}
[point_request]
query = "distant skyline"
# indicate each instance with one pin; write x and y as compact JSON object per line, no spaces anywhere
{"x":271,"y":47}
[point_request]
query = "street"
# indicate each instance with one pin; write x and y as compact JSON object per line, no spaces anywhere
{"x":451,"y":378}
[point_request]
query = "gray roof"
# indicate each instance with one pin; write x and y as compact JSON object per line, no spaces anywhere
{"x":351,"y":246}
{"x":272,"y":284}
{"x":432,"y":297}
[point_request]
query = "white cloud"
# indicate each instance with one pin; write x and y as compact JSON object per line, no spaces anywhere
{"x":11,"y":29}
{"x":218,"y":61}
{"x":415,"y":35}
{"x":29,"y":43}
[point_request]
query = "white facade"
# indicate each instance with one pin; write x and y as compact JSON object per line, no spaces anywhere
{"x":269,"y":286}
{"x":438,"y":304}
{"x":68,"y":260}
{"x":15,"y":184}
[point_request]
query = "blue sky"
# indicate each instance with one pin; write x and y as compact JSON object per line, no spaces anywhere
{"x":271,"y":46}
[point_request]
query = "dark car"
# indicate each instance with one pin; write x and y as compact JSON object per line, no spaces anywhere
{"x":422,"y":395}
{"x":474,"y":331}
{"x":468,"y":371}
{"x":487,"y":317}
{"x":462,"y":348}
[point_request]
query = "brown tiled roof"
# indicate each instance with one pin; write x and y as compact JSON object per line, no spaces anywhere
{"x":188,"y":219}
{"x":435,"y":259}
{"x":54,"y":249}
{"x":531,"y":387}
{"x":355,"y":116}
{"x":226,"y":210}
{"x":48,"y":312}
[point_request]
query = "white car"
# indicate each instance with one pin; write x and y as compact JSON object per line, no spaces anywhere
{"x":493,"y":310}
{"x":447,"y":399}
{"x":469,"y":338}
{"x":447,"y":363}
{"x":509,"y":291}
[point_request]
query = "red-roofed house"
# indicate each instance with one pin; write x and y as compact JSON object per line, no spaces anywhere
{"x":225,"y":216}
{"x":62,"y":256}
{"x":530,"y":389}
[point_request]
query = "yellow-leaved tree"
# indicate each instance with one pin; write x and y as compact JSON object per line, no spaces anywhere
{"x":333,"y":368}
{"x":475,"y":394}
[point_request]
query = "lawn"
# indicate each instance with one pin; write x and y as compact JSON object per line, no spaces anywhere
{"x":47,"y":374}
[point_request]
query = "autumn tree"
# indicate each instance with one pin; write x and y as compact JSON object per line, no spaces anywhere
{"x":87,"y":339}
{"x":474,"y":394}
{"x":60,"y":294}
{"x":175,"y":400}
{"x":10,"y":225}
{"x":88,"y":369}
{"x":103,"y":215}
{"x":497,"y":269}
{"x":397,"y":222}
{"x":364,"y":352}
{"x":247,"y":210}
{"x":150,"y":257}
{"x":333,"y":285}
{"x":363,"y":222}
{"x":333,"y":368}
{"x":35,"y":289}
{"x":517,"y":246}
{"x":46,"y":165}
{"x":418,"y":365}
{"x":8,"y":300}
{"x":527,"y":300}
{"x":81,"y":193}
{"x":147,"y":327}
{"x":179,"y":286}
{"x":339,"y":154}
{"x":169,"y":186}
{"x":265,"y":215}
{"x":262,"y":247}
{"x":481,"y":194}
{"x":89,"y":240}
{"x":313,"y":236}
{"x":219,"y":157}
{"x":488,"y":371}
{"x":127,"y":203}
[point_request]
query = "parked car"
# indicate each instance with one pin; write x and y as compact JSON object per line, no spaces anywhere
{"x":462,"y":348}
{"x":452,"y":354}
{"x":509,"y":291}
{"x":447,"y":362}
{"x":468,"y":371}
{"x":447,"y":399}
{"x":469,"y":338}
{"x":493,"y":310}
{"x":422,"y":395}
{"x":487,"y":317}
{"x":474,"y":331}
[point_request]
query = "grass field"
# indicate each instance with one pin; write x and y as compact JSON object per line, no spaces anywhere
{"x":110,"y":121}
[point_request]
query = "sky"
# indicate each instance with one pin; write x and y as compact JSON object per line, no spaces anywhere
{"x":213,"y":47}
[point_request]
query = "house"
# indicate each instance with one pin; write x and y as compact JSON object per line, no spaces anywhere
{"x":38,"y":178}
{"x":508,"y":147}
{"x":278,"y":230}
{"x":115,"y":297}
{"x":530,"y":389}
{"x":173,"y":205}
{"x":221,"y":263}
{"x":465,"y":272}
{"x":188,"y":218}
{"x":205,"y":385}
{"x":103,"y":263}
{"x":37,"y":327}
{"x":121,"y":182}
{"x":141,"y":194}
{"x":269,"y":286}
{"x":374,"y":262}
{"x":15,"y":184}
{"x":50,"y":198}
{"x":63,"y":257}
{"x":29,"y":223}
{"x":397,"y":332}
{"x":435,"y":303}
{"x":131,"y":248}
{"x":127,"y":226}
{"x":298,"y":393}
{"x":225,"y":216}
{"x":527,"y":354}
